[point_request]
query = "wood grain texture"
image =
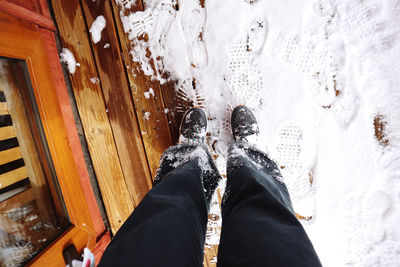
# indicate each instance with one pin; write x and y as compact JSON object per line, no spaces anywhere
{"x":121,"y":111}
{"x":43,"y":17}
{"x":14,"y":37}
{"x":101,"y":246}
{"x":73,"y":138}
{"x":3,"y":108}
{"x":92,"y":110}
{"x":54,"y":257}
{"x":26,"y":14}
{"x":12,"y":177}
{"x":7,"y":132}
{"x":155,"y":131}
{"x":174,"y":115}
{"x":10,"y":155}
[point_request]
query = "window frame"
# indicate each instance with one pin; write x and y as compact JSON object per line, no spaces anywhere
{"x":21,"y":40}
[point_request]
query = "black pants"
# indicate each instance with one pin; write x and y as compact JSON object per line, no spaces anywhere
{"x":168,"y":228}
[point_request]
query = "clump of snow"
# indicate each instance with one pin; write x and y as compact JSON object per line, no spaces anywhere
{"x":149,"y":93}
{"x":107,"y":45}
{"x":95,"y":80}
{"x":146,"y":115}
{"x":97,"y":27}
{"x":317,"y":74}
{"x":125,"y":4}
{"x":154,"y":23}
{"x":68,"y":58}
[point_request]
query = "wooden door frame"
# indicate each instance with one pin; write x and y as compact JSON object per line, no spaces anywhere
{"x":21,"y":40}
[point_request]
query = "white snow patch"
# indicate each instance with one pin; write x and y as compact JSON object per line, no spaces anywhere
{"x":68,"y":58}
{"x":146,"y":115}
{"x":107,"y":45}
{"x":149,"y":93}
{"x":95,"y":80}
{"x":317,"y":74}
{"x":97,"y":27}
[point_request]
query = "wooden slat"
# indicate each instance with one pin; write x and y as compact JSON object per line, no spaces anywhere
{"x":10,"y":155}
{"x":12,"y":177}
{"x":3,"y":108}
{"x":27,"y":14}
{"x":73,"y":138}
{"x":171,"y":102}
{"x":156,"y":133}
{"x":121,"y":111}
{"x":92,"y":110}
{"x":209,"y":254}
{"x":101,"y":245}
{"x":7,"y":132}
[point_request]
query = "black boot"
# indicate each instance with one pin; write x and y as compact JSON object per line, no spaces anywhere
{"x":193,"y":126}
{"x":243,"y":123}
{"x":191,"y":149}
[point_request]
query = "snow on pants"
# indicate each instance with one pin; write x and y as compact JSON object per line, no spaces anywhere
{"x":168,"y":227}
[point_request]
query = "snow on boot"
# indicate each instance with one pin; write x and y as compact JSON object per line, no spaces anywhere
{"x":244,"y":125}
{"x":193,"y":126}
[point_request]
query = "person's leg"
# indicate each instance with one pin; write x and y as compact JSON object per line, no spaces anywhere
{"x":168,"y":227}
{"x":259,"y":227}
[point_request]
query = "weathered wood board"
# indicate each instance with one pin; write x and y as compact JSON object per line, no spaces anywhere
{"x":154,"y":127}
{"x":120,"y":108}
{"x":93,"y":113}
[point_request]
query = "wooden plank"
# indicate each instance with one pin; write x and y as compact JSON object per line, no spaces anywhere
{"x":73,"y":138}
{"x":92,"y":110}
{"x":3,"y":108}
{"x":12,"y":177}
{"x":7,"y":132}
{"x":101,"y":245}
{"x":26,"y":14}
{"x":172,"y":101}
{"x":10,"y":155}
{"x":121,"y":111}
{"x":44,"y":8}
{"x":155,"y":131}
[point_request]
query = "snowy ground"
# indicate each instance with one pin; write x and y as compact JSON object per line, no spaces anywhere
{"x":323,"y":78}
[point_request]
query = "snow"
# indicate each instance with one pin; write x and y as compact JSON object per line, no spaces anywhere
{"x":322,"y":78}
{"x":148,"y":93}
{"x":95,"y":80}
{"x":68,"y":58}
{"x":146,"y":115}
{"x":97,"y":27}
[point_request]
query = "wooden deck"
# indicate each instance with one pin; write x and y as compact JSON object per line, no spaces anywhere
{"x":124,"y":145}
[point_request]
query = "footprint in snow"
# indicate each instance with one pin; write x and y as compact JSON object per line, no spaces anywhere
{"x":298,"y":174}
{"x":245,"y":81}
{"x":193,"y":21}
